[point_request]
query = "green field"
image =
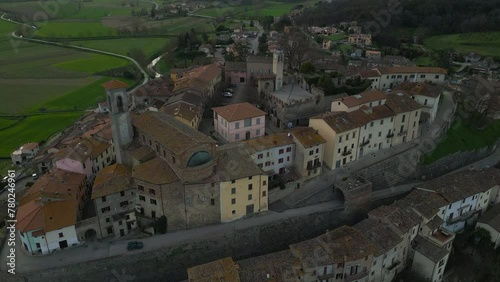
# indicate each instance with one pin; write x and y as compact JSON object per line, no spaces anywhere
{"x":265,"y":8}
{"x":5,"y":122}
{"x":34,"y":129}
{"x":336,"y":37}
{"x":24,"y":94}
{"x":68,"y":29}
{"x":425,"y":62}
{"x":82,"y":98}
{"x":461,"y":137}
{"x":94,"y":63}
{"x":150,"y":46}
{"x":483,"y":43}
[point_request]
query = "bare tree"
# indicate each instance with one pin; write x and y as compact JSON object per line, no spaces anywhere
{"x":294,"y":45}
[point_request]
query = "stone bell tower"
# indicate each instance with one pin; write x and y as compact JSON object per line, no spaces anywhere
{"x":278,"y":65}
{"x":121,"y":124}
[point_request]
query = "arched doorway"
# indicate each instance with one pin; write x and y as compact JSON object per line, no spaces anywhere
{"x":338,"y":196}
{"x":90,"y":235}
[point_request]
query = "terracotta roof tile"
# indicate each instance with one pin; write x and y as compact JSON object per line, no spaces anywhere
{"x":114,"y":84}
{"x":224,"y":270}
{"x":340,"y":121}
{"x":419,"y":88}
{"x":155,"y":171}
{"x":340,"y":245}
{"x":380,"y":234}
{"x":30,"y":146}
{"x":307,"y":136}
{"x":239,"y":111}
{"x":58,"y":181}
{"x":46,"y":215}
{"x":112,"y":179}
{"x":390,"y":70}
{"x":268,"y":142}
{"x":235,"y":162}
{"x":182,"y":109}
{"x":400,"y":102}
{"x":279,"y":266}
{"x":363,"y":98}
{"x":169,"y":132}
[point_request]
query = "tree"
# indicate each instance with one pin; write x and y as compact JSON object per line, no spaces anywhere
{"x":307,"y":67}
{"x":204,"y":36}
{"x":153,"y":12}
{"x":326,"y":83}
{"x":295,"y":45}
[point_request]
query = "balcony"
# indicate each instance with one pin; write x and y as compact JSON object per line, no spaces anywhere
{"x":314,"y":166}
{"x":402,"y":133}
{"x":390,"y":135}
{"x":442,"y":237}
{"x":325,"y":277}
{"x":346,"y":153}
{"x":353,"y":277}
{"x":365,"y":143}
{"x":462,"y":217}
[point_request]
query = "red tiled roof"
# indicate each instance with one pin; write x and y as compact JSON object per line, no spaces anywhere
{"x":239,"y":111}
{"x":363,"y":98}
{"x":389,"y":70}
{"x":114,"y":84}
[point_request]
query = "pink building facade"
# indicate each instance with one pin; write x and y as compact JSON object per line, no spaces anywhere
{"x":241,"y":129}
{"x":83,"y":167}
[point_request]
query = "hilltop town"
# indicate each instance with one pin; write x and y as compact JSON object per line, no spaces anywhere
{"x":273,"y":123}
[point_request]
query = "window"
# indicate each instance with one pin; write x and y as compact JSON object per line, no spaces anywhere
{"x":120,"y":222}
{"x":340,"y":139}
{"x":339,"y":151}
{"x":141,"y":188}
{"x":173,"y":159}
{"x":416,"y":114}
{"x":354,"y":135}
{"x":152,"y":201}
{"x":212,"y":202}
{"x":61,"y":235}
{"x":233,"y":181}
{"x":422,"y":76}
{"x":237,"y":125}
{"x":263,"y":193}
{"x":311,"y":152}
{"x":371,"y":124}
{"x":233,"y":201}
{"x":260,"y":156}
{"x":108,"y":219}
{"x":379,"y":133}
{"x":242,"y":79}
{"x":381,"y":122}
{"x":110,"y":230}
{"x":317,"y":150}
{"x":249,"y":197}
{"x":257,"y":121}
{"x":280,"y":161}
{"x":289,"y":149}
{"x":347,"y":137}
{"x":369,"y":136}
{"x":105,"y":209}
{"x":233,"y":191}
{"x":425,"y":102}
{"x":339,"y":276}
{"x":400,"y":76}
{"x":124,"y":204}
{"x":250,"y":178}
{"x":233,"y":212}
{"x":38,"y":245}
{"x":122,"y":193}
{"x":127,"y":217}
{"x":142,"y":198}
{"x":103,"y":199}
{"x":250,"y":186}
{"x":152,"y":191}
{"x":248,"y":122}
{"x":237,"y":136}
{"x":412,"y":76}
{"x":281,"y":151}
{"x":287,"y":159}
{"x":392,"y":119}
{"x":403,"y":119}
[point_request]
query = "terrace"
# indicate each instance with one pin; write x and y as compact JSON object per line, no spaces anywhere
{"x":442,"y":237}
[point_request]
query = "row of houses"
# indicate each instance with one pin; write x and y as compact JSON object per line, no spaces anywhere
{"x":415,"y":232}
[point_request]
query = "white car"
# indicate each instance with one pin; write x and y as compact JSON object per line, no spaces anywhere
{"x":34,"y":175}
{"x":227,"y":94}
{"x":229,"y":90}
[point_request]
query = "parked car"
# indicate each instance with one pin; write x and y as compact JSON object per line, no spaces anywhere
{"x":227,"y":94}
{"x":134,"y":245}
{"x":34,"y":175}
{"x":230,"y":90}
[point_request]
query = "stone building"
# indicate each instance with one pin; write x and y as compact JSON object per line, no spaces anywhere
{"x":114,"y":200}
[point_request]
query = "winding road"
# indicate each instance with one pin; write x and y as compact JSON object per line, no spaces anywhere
{"x":141,"y":69}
